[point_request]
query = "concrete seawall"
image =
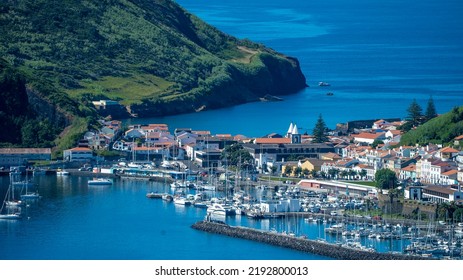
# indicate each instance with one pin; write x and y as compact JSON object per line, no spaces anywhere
{"x":297,"y":243}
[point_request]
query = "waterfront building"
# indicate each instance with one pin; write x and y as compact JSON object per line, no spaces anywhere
{"x":78,"y":154}
{"x":20,"y":156}
{"x":338,"y":187}
{"x":282,"y":149}
{"x":441,"y":194}
{"x":208,"y":158}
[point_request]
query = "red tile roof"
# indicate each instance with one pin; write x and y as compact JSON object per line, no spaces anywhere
{"x":272,"y":141}
{"x":367,"y":135}
{"x":448,"y":150}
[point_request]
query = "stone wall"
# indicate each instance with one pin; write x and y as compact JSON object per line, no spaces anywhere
{"x":411,"y":208}
{"x":384,"y":202}
{"x":297,"y":243}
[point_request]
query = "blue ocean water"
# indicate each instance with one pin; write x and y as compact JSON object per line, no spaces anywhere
{"x":73,"y":221}
{"x":377,"y":55}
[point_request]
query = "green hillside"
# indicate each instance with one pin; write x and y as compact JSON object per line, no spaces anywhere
{"x":440,"y":130}
{"x":143,"y":53}
{"x":152,"y":56}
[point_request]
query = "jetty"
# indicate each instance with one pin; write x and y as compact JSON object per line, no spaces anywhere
{"x":297,"y":243}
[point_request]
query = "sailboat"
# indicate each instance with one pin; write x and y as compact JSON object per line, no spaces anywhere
{"x":11,"y":201}
{"x":12,"y":213}
{"x":27,"y":194}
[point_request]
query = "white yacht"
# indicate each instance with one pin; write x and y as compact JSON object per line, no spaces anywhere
{"x":180,"y":200}
{"x":220,"y":209}
{"x":100,"y":182}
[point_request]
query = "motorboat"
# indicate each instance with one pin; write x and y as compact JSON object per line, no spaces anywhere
{"x":180,"y":200}
{"x":153,"y":195}
{"x":30,"y":195}
{"x":167,"y":197}
{"x":12,"y":216}
{"x":221,"y":209}
{"x":62,"y":172}
{"x":323,"y":84}
{"x":100,"y":182}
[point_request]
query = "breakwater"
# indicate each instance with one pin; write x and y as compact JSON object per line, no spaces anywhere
{"x":297,"y":243}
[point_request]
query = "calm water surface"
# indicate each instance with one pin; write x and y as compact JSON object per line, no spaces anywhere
{"x":74,"y":221}
{"x":77,"y":222}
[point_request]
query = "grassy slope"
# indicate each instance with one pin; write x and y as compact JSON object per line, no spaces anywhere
{"x":153,"y":48}
{"x":439,"y":130}
{"x":147,"y":53}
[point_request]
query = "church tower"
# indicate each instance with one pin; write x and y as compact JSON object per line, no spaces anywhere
{"x":293,"y":134}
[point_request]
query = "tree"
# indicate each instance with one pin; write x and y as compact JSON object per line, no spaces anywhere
{"x":363,"y":173}
{"x":288,"y":170}
{"x":430,"y":110}
{"x":273,"y":169}
{"x":376,"y":143}
{"x":352,"y":174}
{"x":305,"y":172}
{"x":319,"y":131}
{"x":333,"y":173}
{"x":236,"y":155}
{"x":297,"y":171}
{"x":385,"y":179}
{"x":414,"y":113}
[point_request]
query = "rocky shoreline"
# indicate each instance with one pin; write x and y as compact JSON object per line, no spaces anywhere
{"x":297,"y":243}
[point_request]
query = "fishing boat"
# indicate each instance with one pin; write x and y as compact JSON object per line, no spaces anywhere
{"x":100,"y":182}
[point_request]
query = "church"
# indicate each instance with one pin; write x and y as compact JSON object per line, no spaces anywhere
{"x":279,"y":149}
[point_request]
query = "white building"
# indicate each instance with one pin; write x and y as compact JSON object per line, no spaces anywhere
{"x":78,"y":154}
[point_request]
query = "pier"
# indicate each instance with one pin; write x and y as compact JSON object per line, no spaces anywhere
{"x":297,"y":243}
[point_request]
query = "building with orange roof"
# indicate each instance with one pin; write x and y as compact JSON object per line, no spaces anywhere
{"x":449,"y":177}
{"x":447,"y":153}
{"x":330,"y":156}
{"x":408,"y":172}
{"x":368,"y":138}
{"x":78,"y":154}
{"x":265,"y":141}
{"x":457,"y":140}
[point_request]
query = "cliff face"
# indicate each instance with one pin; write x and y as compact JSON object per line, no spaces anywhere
{"x":45,"y":110}
{"x":276,"y":75}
